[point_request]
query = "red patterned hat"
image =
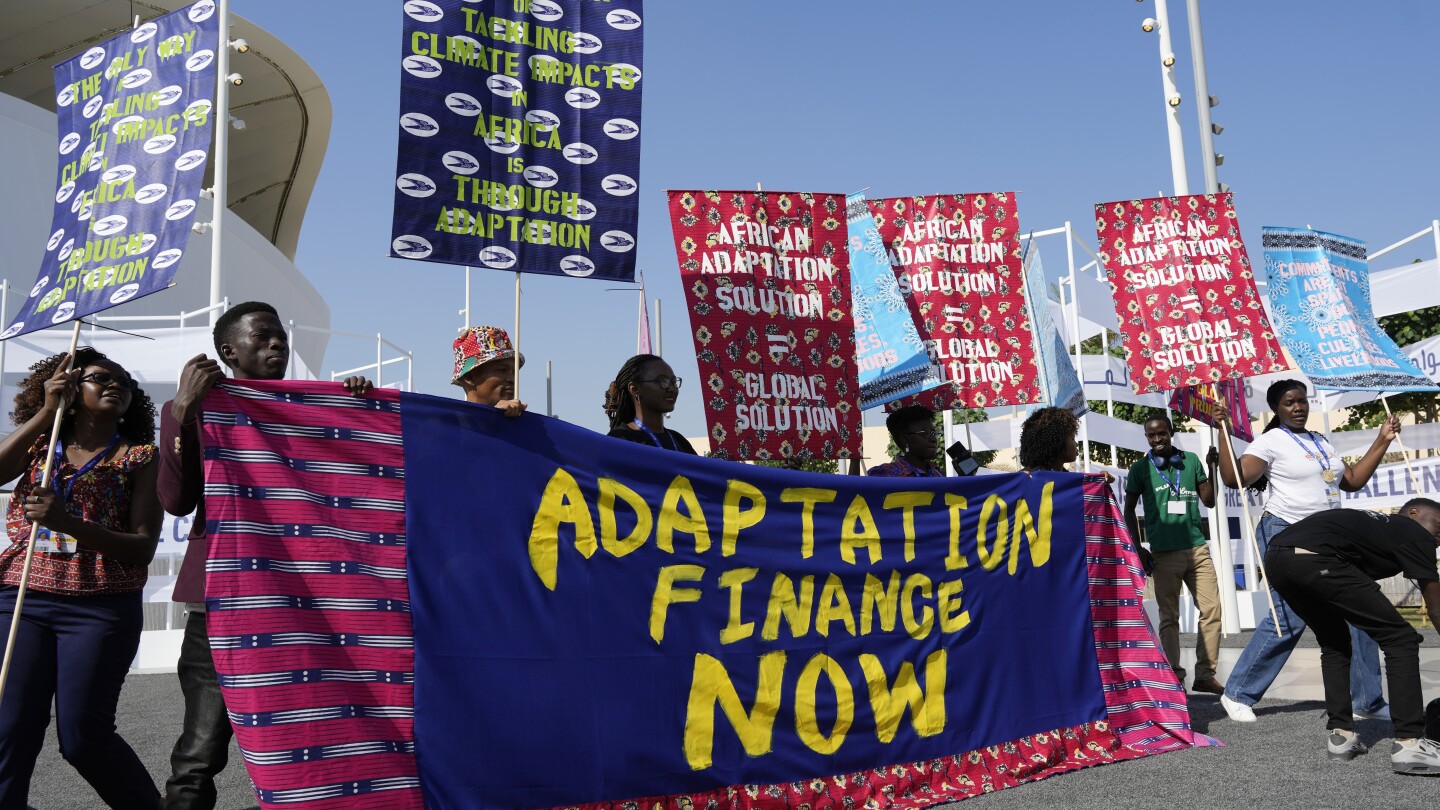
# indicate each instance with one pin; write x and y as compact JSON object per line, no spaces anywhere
{"x":478,"y":345}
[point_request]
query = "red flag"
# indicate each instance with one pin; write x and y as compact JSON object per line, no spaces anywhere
{"x":957,"y":258}
{"x":767,"y":280}
{"x":1201,"y":404}
{"x":1184,"y":292}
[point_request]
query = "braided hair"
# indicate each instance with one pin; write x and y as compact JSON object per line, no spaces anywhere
{"x":1043,"y":438}
{"x":1273,"y":395}
{"x":138,"y":426}
{"x":619,"y":405}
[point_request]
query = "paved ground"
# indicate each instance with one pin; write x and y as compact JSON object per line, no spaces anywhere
{"x":1278,"y":762}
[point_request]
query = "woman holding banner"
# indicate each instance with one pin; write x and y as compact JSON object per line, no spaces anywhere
{"x":80,"y":624}
{"x":1304,"y":475}
{"x":643,"y":392}
{"x":913,"y":430}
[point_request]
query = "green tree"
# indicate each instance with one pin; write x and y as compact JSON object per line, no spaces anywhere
{"x":1129,"y":412}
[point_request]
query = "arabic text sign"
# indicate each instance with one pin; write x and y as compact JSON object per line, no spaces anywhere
{"x":767,"y":281}
{"x":134,"y":117}
{"x":892,"y":360}
{"x":1319,"y":288}
{"x":519,"y":142}
{"x":726,"y":624}
{"x":957,"y":259}
{"x":1184,"y":292}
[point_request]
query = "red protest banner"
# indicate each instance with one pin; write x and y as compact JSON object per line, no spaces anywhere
{"x":767,"y":280}
{"x":1184,"y":292}
{"x":1199,"y":403}
{"x":957,"y":258}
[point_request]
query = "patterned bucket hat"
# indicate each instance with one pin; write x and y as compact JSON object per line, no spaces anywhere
{"x":478,"y":345}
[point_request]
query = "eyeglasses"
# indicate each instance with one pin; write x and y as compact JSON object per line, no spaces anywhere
{"x":104,"y":379}
{"x":667,"y":383}
{"x":922,"y":433}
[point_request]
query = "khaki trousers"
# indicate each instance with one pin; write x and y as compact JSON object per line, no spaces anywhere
{"x":1193,"y":569}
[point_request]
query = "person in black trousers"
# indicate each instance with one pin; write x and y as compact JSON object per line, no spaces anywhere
{"x":1326,"y":567}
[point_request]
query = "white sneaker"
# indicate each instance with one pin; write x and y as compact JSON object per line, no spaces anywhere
{"x":1417,"y":756}
{"x":1238,"y":711}
{"x":1382,"y":713}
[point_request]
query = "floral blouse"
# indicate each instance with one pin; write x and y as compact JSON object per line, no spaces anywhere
{"x":101,"y":496}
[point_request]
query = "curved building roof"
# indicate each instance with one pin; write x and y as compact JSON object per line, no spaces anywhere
{"x":286,"y":110}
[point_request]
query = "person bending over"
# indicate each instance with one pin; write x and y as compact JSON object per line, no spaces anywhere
{"x":1326,"y":567}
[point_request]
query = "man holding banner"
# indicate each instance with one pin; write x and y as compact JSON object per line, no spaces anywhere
{"x":1172,"y":484}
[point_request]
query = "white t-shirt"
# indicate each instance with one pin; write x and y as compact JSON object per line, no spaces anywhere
{"x":1297,"y":489}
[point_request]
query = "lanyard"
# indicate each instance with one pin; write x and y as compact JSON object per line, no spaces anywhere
{"x":655,"y":438}
{"x":1325,"y":464}
{"x":912,"y":468}
{"x":85,"y":468}
{"x":1174,"y":485}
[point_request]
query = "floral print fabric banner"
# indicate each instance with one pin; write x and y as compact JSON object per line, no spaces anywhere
{"x":767,"y":281}
{"x":957,"y":258}
{"x":1184,"y":292}
{"x":1319,"y":287}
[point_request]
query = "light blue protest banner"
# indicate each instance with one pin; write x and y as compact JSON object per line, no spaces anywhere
{"x":1059,"y":384}
{"x":892,"y":358}
{"x":1319,"y":292}
{"x":134,"y":115}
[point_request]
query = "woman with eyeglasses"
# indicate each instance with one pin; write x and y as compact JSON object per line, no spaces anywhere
{"x":913,"y":430}
{"x":80,"y":624}
{"x":644,"y":391}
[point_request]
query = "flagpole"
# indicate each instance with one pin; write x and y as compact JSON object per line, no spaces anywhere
{"x":1245,"y":508}
{"x":659,"y":331}
{"x":1409,"y":471}
{"x":35,"y":526}
{"x":222,"y":157}
{"x":515,"y":342}
{"x":1220,"y":530}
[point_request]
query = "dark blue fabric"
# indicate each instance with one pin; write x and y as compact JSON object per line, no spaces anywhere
{"x":519,"y":136}
{"x":531,"y":697}
{"x":135,"y":115}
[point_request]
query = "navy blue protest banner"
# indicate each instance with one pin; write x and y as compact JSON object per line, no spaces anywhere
{"x":134,"y":122}
{"x":519,"y":136}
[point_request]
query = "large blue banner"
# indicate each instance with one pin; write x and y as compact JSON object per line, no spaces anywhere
{"x":134,"y":118}
{"x":1059,"y":384}
{"x":892,"y":358}
{"x":519,"y":142}
{"x":1319,"y":291}
{"x":612,"y":621}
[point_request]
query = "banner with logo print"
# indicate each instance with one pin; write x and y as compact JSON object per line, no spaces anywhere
{"x":519,"y":142}
{"x":957,"y":260}
{"x":892,"y":359}
{"x":1319,"y":288}
{"x":767,"y":281}
{"x":134,"y":119}
{"x":1184,"y":292}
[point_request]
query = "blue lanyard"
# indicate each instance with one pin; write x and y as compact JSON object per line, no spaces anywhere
{"x":656,"y":439}
{"x":1324,"y":465}
{"x":912,"y":468}
{"x":1174,"y":485}
{"x":85,"y":468}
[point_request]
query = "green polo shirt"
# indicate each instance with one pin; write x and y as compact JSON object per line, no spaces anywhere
{"x":1163,"y":530}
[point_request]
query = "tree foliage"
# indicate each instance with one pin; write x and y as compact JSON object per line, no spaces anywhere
{"x":1406,"y":328}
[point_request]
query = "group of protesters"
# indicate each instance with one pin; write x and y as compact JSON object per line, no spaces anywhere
{"x":99,"y":522}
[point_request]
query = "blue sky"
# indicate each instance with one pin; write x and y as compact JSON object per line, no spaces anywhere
{"x":1329,"y":111}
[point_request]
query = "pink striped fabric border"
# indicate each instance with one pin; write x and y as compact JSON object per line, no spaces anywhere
{"x":307,"y":594}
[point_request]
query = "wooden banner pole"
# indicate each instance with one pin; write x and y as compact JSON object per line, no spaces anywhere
{"x":35,"y":527}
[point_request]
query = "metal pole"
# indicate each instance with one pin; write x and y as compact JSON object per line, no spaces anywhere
{"x":1109,"y":393}
{"x":4,"y":316}
{"x":1223,"y":558}
{"x":409,"y":371}
{"x":549,"y":390}
{"x":1075,"y":332}
{"x":1202,"y":96}
{"x":1172,"y":93}
{"x":222,"y":155}
{"x":290,"y":371}
{"x":659,"y":331}
{"x":466,"y":311}
{"x":515,"y":341}
{"x":379,"y":358}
